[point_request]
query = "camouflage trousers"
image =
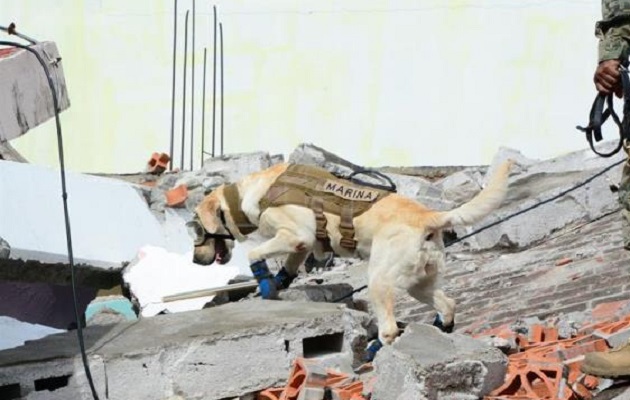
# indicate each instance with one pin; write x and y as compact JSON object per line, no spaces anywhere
{"x":624,"y":202}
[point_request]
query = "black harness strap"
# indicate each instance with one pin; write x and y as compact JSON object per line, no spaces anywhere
{"x":598,"y":116}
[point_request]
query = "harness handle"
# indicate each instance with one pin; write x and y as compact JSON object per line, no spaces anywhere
{"x":598,"y":116}
{"x":391,"y":187}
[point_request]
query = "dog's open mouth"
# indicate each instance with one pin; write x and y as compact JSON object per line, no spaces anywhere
{"x":221,"y":252}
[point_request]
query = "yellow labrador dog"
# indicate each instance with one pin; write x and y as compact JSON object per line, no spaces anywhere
{"x":401,"y":238}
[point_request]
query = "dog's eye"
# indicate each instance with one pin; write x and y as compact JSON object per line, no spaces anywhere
{"x":429,"y":237}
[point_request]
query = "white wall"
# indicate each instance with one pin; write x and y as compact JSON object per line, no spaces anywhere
{"x":425,"y":82}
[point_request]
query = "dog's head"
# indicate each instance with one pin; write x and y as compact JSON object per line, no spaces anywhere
{"x":213,"y":241}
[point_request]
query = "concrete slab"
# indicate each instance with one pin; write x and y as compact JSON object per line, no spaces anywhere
{"x":425,"y":363}
{"x":43,"y":303}
{"x":216,"y":353}
{"x":109,"y":219}
{"x":534,"y":182}
{"x":158,"y":273}
{"x":15,"y":333}
{"x":24,"y":92}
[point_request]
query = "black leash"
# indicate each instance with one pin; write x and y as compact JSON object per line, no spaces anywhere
{"x":598,"y":116}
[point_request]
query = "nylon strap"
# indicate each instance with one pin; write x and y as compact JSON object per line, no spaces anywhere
{"x":598,"y":116}
{"x":317,"y":205}
{"x":233,"y":199}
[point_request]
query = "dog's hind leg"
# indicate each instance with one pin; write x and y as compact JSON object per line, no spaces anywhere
{"x":381,"y":289}
{"x":428,"y":293}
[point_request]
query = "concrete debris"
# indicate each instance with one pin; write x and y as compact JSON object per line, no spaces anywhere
{"x":221,"y":352}
{"x":196,"y":184}
{"x":109,"y":220}
{"x":527,"y":297}
{"x":235,"y":166}
{"x":5,"y":249}
{"x":424,"y":363}
{"x":318,"y":293}
{"x":24,"y":92}
{"x":534,"y":182}
{"x":8,"y":153}
{"x":43,"y":303}
{"x":15,"y":332}
{"x":157,"y":273}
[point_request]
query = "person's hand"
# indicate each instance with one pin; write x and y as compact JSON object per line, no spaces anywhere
{"x":607,"y":77}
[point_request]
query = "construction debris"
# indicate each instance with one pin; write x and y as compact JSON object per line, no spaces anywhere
{"x":157,"y":273}
{"x":24,"y":92}
{"x":221,"y":352}
{"x":110,"y":222}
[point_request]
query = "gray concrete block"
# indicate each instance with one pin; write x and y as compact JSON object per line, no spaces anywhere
{"x":425,"y":363}
{"x":235,"y":166}
{"x":5,"y":249}
{"x":24,"y":92}
{"x":614,"y":339}
{"x":109,"y":220}
{"x":318,"y":293}
{"x":532,"y":183}
{"x":220,"y":352}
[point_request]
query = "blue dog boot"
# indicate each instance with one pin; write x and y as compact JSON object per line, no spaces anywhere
{"x":372,"y":349}
{"x":265,"y":280}
{"x":283,"y":279}
{"x":438,"y":322}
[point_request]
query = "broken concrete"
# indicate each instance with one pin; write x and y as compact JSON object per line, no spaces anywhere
{"x":109,"y":222}
{"x":425,"y":363}
{"x":8,"y":153}
{"x":24,"y":92}
{"x":157,"y":273}
{"x":216,"y":353}
{"x":15,"y":332}
{"x":235,"y":166}
{"x":534,"y":182}
{"x":43,"y":303}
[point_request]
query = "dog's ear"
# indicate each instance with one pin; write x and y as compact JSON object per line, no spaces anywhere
{"x":208,"y":212}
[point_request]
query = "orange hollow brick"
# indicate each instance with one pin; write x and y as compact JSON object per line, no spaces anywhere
{"x":158,"y":163}
{"x":270,"y":394}
{"x":177,"y":196}
{"x":352,"y":391}
{"x":538,"y":380}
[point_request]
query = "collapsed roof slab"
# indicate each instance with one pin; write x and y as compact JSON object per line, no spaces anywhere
{"x":24,"y":92}
{"x":219,"y":352}
{"x":109,"y":221}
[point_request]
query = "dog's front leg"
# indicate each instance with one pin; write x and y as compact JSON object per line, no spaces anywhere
{"x":288,"y":273}
{"x":382,"y":299}
{"x":283,"y":243}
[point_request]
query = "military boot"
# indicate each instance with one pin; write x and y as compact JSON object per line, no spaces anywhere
{"x":608,"y":364}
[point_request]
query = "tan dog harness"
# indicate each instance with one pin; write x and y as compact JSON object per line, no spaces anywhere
{"x":321,"y":191}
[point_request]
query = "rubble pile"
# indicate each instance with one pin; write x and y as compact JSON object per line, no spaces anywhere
{"x":534,"y":293}
{"x":544,"y":361}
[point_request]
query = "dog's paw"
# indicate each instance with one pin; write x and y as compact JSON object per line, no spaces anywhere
{"x":283,"y":279}
{"x":268,"y":289}
{"x":438,"y":322}
{"x":371,"y":351}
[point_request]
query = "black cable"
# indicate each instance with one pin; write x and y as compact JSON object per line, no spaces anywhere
{"x":65,"y":208}
{"x":501,"y":220}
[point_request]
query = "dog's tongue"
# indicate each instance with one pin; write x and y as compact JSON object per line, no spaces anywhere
{"x":220,"y":250}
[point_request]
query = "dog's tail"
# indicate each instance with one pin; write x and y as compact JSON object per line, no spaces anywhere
{"x":488,"y":200}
